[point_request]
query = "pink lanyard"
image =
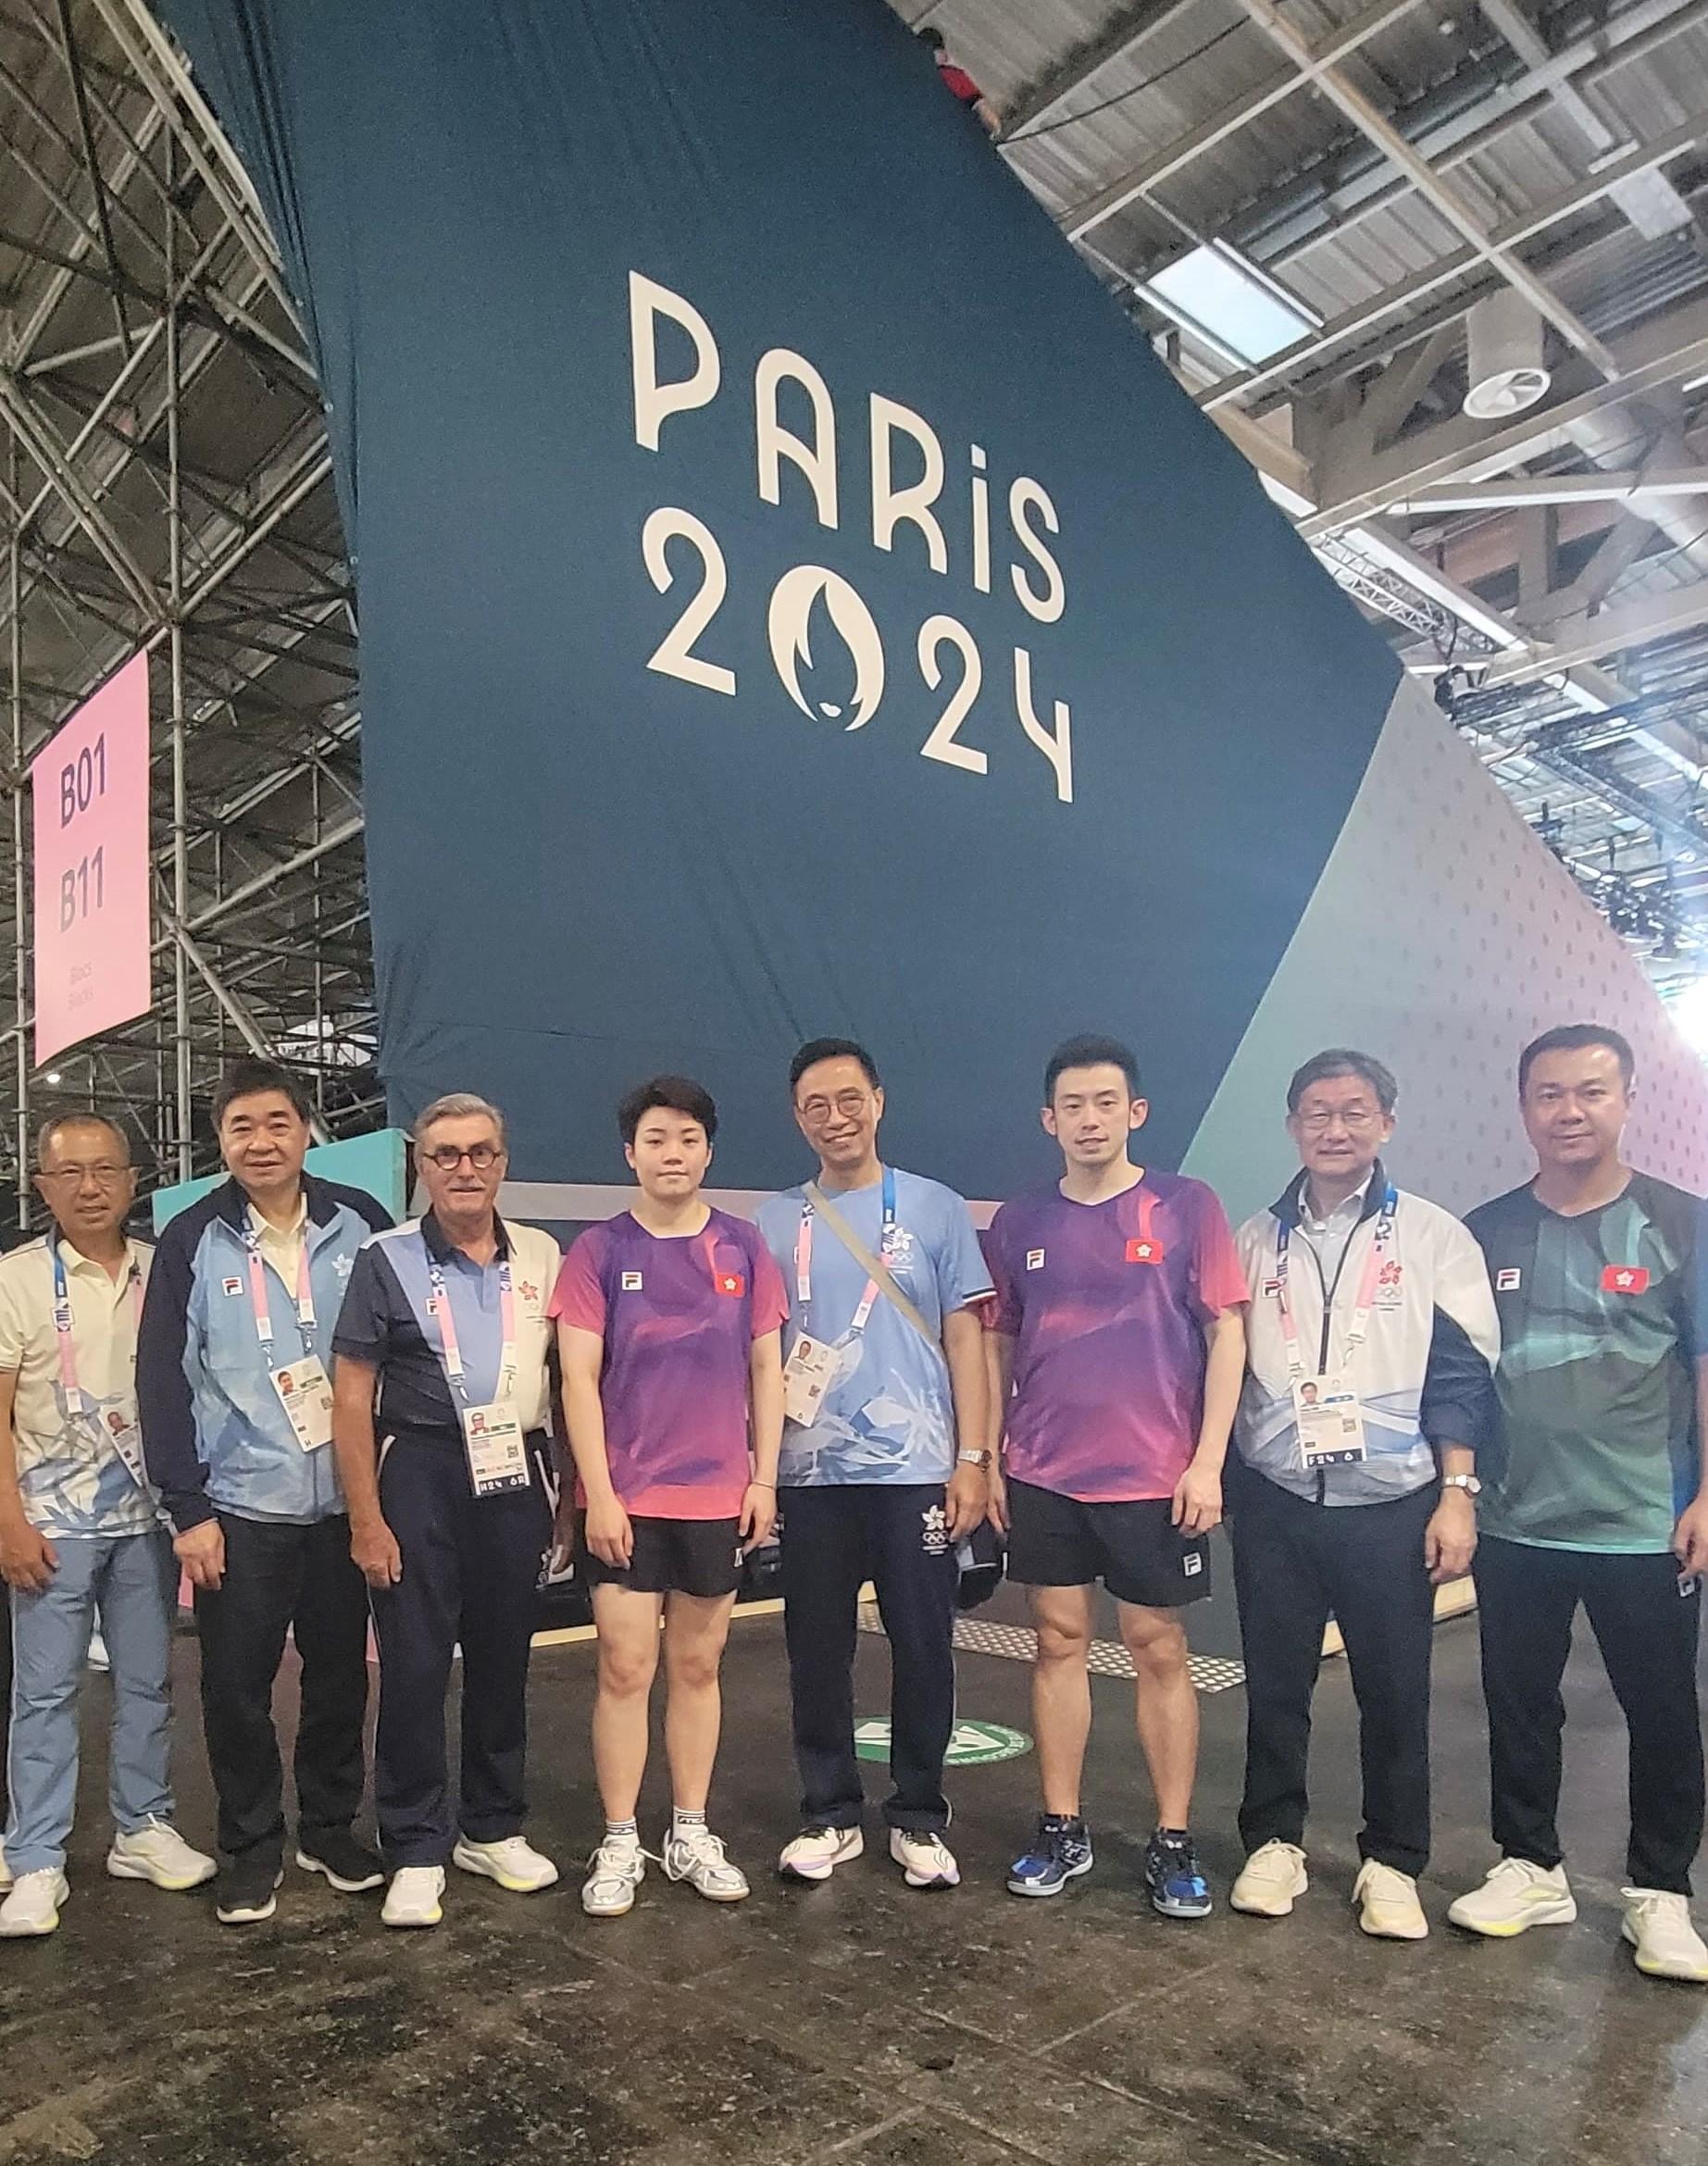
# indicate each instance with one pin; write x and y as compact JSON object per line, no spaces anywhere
{"x":439,"y":1308}
{"x":62,"y":1327}
{"x":1366,"y":1286}
{"x":804,"y":1256}
{"x":258,"y":1293}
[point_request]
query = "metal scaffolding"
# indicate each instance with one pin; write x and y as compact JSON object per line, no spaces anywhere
{"x":167,"y":487}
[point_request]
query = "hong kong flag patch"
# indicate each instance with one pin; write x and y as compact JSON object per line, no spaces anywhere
{"x":1144,"y":1251}
{"x":733,"y":1283}
{"x":1625,"y":1279}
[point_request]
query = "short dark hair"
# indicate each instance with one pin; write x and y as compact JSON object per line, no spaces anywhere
{"x":929,"y":35}
{"x":1089,"y":1051}
{"x":249,"y":1078}
{"x":1578,"y":1038}
{"x":673,"y":1094}
{"x":1344,"y":1060}
{"x":51,"y":1129}
{"x":832,"y":1048}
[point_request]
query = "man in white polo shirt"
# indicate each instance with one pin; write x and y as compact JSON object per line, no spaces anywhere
{"x":79,"y":1524}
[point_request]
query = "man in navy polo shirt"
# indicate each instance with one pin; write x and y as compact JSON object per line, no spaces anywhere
{"x":441,"y":1402}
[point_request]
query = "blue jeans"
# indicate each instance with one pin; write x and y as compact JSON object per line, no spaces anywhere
{"x":134,"y":1579}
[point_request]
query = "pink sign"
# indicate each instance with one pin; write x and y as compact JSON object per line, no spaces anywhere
{"x":92,"y":904}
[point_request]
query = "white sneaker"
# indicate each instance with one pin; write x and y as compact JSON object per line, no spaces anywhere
{"x":1515,"y":1895}
{"x":512,"y":1863}
{"x":412,"y":1897}
{"x":696,"y":1855}
{"x":32,"y":1907}
{"x":616,"y":1869}
{"x":157,"y":1852}
{"x":924,"y":1859}
{"x":1387,"y":1904}
{"x":816,"y":1852}
{"x":1663,"y":1942}
{"x":1271,"y":1881}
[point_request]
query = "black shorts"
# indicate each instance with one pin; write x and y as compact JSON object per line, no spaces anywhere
{"x":1135,"y":1549}
{"x":671,"y":1556}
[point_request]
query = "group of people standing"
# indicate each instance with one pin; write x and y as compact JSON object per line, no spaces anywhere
{"x":324,"y":1420}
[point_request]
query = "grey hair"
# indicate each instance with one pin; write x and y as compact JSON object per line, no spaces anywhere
{"x":51,"y":1129}
{"x":1344,"y":1060}
{"x":457,"y":1105}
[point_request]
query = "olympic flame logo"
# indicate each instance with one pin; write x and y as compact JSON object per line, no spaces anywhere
{"x":797,"y":595}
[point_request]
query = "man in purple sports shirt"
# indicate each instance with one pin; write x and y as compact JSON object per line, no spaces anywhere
{"x":1119,"y":1335}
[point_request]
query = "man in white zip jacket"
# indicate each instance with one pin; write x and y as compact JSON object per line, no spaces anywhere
{"x":1370,"y":1351}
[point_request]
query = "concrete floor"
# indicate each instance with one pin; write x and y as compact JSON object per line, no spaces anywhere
{"x":860,"y":2022}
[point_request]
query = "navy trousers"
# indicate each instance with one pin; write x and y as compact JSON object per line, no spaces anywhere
{"x":279,"y":1579}
{"x":471,"y":1566}
{"x":834,"y":1539}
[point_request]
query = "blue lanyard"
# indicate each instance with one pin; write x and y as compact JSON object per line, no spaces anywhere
{"x":62,"y":1325}
{"x":451,"y":1353}
{"x":803,"y":1255}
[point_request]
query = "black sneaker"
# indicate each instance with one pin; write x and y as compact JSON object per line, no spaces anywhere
{"x":248,"y":1891}
{"x":351,"y":1866}
{"x":1059,"y":1852}
{"x":1174,"y":1876}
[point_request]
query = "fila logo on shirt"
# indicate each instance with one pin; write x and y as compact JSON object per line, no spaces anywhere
{"x":1507,"y":1281}
{"x":1625,"y":1279}
{"x":631,"y":1282}
{"x":1034,"y":1259}
{"x":232,"y":1286}
{"x":731,"y":1282}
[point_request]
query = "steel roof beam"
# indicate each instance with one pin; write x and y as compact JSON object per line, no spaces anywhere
{"x":1086,"y":216}
{"x":1126,"y":29}
{"x":1522,"y":491}
{"x":1439,"y":194}
{"x":1456,"y":267}
{"x":1664,"y":350}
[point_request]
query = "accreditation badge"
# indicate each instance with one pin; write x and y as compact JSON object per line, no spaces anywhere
{"x":305,"y":1391}
{"x":1329,"y":1421}
{"x":123,"y":1432}
{"x":806,"y":1378}
{"x":496,"y":1448}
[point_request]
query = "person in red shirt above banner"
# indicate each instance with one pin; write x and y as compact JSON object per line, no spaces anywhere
{"x":669,"y":1323}
{"x":957,"y":82}
{"x":1119,"y":1332}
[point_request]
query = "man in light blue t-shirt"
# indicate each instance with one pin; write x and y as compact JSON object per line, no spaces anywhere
{"x":884,"y":1466}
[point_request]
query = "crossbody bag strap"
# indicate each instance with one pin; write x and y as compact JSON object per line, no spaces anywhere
{"x":876,"y":1269}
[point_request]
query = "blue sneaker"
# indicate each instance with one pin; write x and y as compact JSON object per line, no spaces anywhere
{"x":1060,"y":1851}
{"x":1175,"y":1878}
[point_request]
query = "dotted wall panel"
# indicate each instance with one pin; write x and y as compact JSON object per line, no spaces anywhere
{"x":1441,"y":937}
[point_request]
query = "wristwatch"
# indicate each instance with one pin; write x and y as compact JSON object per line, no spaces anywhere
{"x":1469,"y":1483}
{"x":973,"y":1458}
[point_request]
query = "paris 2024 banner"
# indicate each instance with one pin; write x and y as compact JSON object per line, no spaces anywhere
{"x":795,"y":601}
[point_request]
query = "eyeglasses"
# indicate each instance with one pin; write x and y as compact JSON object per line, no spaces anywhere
{"x":1354,"y":1123}
{"x":109,"y":1177}
{"x":447,"y":1157}
{"x":847,"y":1103}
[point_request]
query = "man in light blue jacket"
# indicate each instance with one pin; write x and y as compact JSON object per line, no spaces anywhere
{"x":236,"y":1415}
